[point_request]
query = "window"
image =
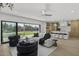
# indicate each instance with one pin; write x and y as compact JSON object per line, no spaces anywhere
{"x":9,"y":28}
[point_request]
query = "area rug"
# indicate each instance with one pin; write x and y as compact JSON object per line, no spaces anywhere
{"x":13,"y":51}
{"x":44,"y":51}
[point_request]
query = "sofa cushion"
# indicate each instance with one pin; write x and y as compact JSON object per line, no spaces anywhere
{"x":49,"y":42}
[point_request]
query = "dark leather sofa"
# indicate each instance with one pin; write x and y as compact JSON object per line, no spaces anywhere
{"x":46,"y":36}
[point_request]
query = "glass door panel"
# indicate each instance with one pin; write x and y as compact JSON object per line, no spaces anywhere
{"x":8,"y":29}
{"x":27,"y":30}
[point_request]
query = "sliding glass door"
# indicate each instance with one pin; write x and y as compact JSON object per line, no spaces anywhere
{"x":27,"y":30}
{"x":8,"y":29}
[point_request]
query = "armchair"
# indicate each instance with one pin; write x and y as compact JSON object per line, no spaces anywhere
{"x":26,"y":48}
{"x":13,"y":40}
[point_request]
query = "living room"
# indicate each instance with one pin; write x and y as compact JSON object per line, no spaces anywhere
{"x":52,"y":30}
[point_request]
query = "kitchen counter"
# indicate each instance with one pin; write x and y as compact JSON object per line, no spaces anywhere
{"x":60,"y":34}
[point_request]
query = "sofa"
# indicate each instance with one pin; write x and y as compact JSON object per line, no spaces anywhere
{"x":46,"y":36}
{"x":48,"y":40}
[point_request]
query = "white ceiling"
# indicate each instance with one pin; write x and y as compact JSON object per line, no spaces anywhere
{"x":60,"y":11}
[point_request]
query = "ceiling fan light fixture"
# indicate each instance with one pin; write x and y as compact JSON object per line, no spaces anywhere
{"x":46,"y":13}
{"x":10,"y":5}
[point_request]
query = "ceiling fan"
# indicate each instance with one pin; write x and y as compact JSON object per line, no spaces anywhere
{"x":9,"y":5}
{"x":46,"y":11}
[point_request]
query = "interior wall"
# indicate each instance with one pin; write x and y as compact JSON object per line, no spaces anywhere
{"x":0,"y":32}
{"x":74,"y":29}
{"x":8,"y":17}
